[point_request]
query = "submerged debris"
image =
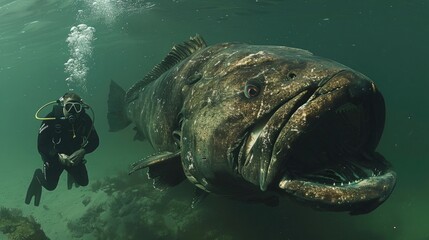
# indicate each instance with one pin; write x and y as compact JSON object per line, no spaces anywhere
{"x":15,"y":226}
{"x":88,"y":223}
{"x":133,"y":208}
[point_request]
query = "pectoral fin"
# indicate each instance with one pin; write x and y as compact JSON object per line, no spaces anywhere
{"x":199,"y":196}
{"x":165,"y":169}
{"x":139,"y":135}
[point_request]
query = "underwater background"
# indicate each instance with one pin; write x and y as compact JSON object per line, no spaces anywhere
{"x":42,"y":56}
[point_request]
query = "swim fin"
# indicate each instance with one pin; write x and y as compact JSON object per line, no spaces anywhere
{"x":35,"y":189}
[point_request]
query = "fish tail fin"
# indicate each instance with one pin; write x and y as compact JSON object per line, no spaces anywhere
{"x":116,"y":115}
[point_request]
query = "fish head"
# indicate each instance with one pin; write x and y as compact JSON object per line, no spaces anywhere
{"x":279,"y":119}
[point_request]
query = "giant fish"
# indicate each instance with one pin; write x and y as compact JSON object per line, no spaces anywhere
{"x":255,"y":123}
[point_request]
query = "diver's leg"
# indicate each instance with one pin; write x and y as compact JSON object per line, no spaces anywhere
{"x":51,"y":175}
{"x":79,"y":174}
{"x":71,"y":181}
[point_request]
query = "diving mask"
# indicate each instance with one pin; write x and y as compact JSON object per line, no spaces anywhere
{"x":73,"y":107}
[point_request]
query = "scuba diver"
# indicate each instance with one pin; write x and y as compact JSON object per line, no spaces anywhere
{"x":66,"y":135}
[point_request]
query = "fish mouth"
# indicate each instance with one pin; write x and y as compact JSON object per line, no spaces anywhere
{"x":323,"y":153}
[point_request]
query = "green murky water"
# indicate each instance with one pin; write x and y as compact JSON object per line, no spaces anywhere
{"x":385,"y":40}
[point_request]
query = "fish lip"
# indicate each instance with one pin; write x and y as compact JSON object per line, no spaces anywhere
{"x":237,"y":157}
{"x":267,"y":175}
{"x":368,"y":192}
{"x":358,"y":198}
{"x":274,"y":175}
{"x":237,"y":153}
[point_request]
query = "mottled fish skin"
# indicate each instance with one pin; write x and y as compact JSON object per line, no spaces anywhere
{"x":200,"y":108}
{"x":217,"y":113}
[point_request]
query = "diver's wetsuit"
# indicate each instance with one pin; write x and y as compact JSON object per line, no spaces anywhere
{"x":61,"y":136}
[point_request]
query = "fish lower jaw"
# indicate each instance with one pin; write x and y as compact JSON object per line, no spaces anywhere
{"x":359,"y":196}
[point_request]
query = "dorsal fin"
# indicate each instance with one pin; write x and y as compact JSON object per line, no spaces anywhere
{"x":178,"y":53}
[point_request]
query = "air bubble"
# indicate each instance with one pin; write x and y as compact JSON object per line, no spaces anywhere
{"x":79,"y":41}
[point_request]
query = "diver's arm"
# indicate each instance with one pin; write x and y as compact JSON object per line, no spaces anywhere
{"x":93,"y":142}
{"x":44,"y":141}
{"x":93,"y":139}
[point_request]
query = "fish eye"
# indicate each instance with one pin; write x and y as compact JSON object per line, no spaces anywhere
{"x":251,"y":90}
{"x":291,"y":75}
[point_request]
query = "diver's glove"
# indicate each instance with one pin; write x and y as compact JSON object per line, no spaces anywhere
{"x":77,"y":156}
{"x":64,"y":159}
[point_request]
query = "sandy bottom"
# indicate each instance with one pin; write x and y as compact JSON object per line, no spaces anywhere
{"x":168,"y":213}
{"x":57,"y":207}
